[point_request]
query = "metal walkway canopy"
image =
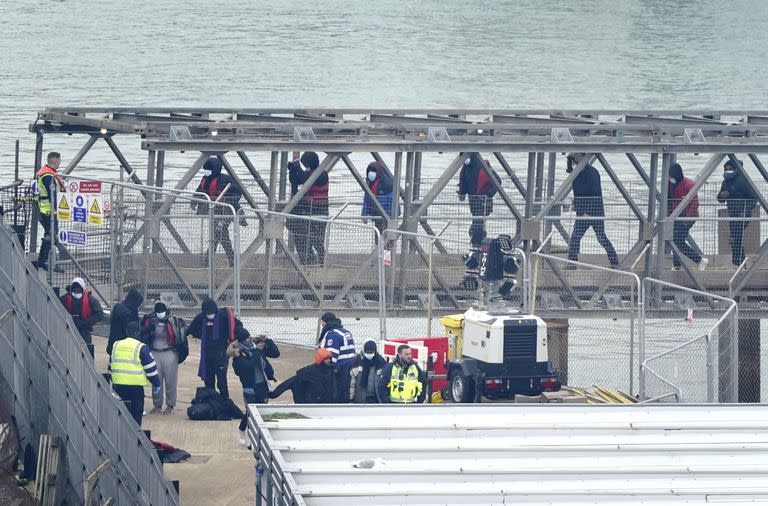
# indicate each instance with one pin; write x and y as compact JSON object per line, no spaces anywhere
{"x":510,"y":454}
{"x":419,"y":130}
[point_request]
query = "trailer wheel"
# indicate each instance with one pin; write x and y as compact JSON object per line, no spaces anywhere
{"x":462,"y":388}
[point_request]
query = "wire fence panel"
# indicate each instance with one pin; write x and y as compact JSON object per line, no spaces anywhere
{"x":54,"y":389}
{"x":593,"y":321}
{"x":689,"y":345}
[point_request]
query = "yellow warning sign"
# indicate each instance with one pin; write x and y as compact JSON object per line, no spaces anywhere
{"x":95,"y":214}
{"x":63,"y":211}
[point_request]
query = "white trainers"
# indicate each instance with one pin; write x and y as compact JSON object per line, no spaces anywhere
{"x":703,"y":263}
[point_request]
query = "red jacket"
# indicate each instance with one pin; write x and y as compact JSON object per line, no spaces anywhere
{"x":676,"y":194}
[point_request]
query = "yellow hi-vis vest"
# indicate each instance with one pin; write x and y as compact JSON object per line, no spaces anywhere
{"x":43,"y":199}
{"x":404,"y":385}
{"x":125,"y":363}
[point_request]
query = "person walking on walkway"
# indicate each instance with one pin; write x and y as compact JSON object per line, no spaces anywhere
{"x":215,"y":327}
{"x":402,"y":380}
{"x":84,"y":308}
{"x":588,"y":203}
{"x":679,"y":187}
{"x":475,"y":182}
{"x":49,"y":183}
{"x":339,"y":342}
{"x":309,"y":235}
{"x":164,"y":333}
{"x":740,"y":199}
{"x":132,"y":366}
{"x":380,"y":184}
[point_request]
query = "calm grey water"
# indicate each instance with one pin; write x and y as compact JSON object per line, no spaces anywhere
{"x":448,"y":53}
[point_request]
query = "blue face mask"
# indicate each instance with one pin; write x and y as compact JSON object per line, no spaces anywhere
{"x":728,"y":175}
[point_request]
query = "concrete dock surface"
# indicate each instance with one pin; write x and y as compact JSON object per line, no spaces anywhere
{"x":221,"y":470}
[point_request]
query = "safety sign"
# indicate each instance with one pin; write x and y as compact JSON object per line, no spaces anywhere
{"x":95,"y":210}
{"x":63,"y":209}
{"x":73,"y":237}
{"x":90,"y":187}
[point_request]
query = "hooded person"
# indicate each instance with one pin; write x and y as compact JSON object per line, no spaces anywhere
{"x":164,"y":334}
{"x":380,"y":183}
{"x":590,"y":211}
{"x":215,"y":327}
{"x":213,"y":184}
{"x":474,"y":180}
{"x":308,"y":235}
{"x":364,"y":375}
{"x":249,"y":360}
{"x":122,"y":314}
{"x":739,"y":197}
{"x":313,"y":384}
{"x":679,"y":186}
{"x":84,"y":308}
{"x":339,"y":342}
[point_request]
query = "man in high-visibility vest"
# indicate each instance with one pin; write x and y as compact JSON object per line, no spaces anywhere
{"x":132,"y":366}
{"x":402,"y":380}
{"x":48,"y":184}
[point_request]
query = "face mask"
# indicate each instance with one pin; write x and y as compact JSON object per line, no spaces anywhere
{"x":207,"y":173}
{"x":77,"y":295}
{"x":161,"y":316}
{"x":673,"y":180}
{"x":729,"y":174}
{"x":210,"y":316}
{"x":371,"y":177}
{"x":369,"y":356}
{"x":467,"y":161}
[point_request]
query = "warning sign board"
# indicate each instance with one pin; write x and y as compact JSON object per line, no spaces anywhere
{"x":73,"y":186}
{"x":63,"y":209}
{"x":73,"y":237}
{"x":95,"y":210}
{"x":387,"y":257}
{"x":79,"y":215}
{"x":90,"y":187}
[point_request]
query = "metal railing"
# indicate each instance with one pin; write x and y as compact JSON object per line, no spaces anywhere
{"x":51,"y":385}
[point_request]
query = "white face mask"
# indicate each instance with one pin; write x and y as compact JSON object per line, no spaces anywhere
{"x":77,"y":295}
{"x":161,"y":316}
{"x":673,"y":180}
{"x":207,"y":173}
{"x":211,"y":316}
{"x":369,"y":356}
{"x":467,"y":161}
{"x":371,"y":177}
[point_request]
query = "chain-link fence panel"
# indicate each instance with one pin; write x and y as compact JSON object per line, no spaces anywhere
{"x":688,"y":345}
{"x":303,"y":265}
{"x":592,"y":316}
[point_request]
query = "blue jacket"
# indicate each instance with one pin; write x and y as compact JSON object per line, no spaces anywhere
{"x":384,"y":190}
{"x":341,"y":345}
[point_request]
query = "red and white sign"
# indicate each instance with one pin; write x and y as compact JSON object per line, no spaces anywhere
{"x":387,"y":257}
{"x":388,"y":350}
{"x":106,"y":207}
{"x":90,"y":187}
{"x":73,"y":187}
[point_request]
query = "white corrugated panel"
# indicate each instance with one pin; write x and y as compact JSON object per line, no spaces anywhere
{"x":514,"y":454}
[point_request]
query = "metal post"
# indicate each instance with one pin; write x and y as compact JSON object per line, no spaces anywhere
{"x":382,"y":285}
{"x":16,"y":188}
{"x":417,"y":176}
{"x":393,"y":225}
{"x":652,"y":191}
{"x":283,"y":174}
{"x":406,"y":241}
{"x":710,"y":371}
{"x":641,"y":341}
{"x":551,"y":165}
{"x":271,"y":243}
{"x":35,"y":209}
{"x":160,"y":178}
{"x":662,"y":215}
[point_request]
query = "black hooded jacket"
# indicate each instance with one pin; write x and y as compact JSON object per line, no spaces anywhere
{"x":214,"y":184}
{"x":587,"y":192}
{"x":195,"y":328}
{"x":314,"y":384}
{"x":122,"y":314}
{"x":741,"y":196}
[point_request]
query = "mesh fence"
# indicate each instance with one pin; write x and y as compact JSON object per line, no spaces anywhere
{"x":593,"y":321}
{"x":689,"y":344}
{"x":300,"y":266}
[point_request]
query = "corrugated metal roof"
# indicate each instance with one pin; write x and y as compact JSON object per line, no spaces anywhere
{"x":514,"y":454}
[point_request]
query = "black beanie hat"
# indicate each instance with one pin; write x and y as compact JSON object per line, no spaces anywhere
{"x":213,"y":164}
{"x":132,"y":329}
{"x":209,"y":306}
{"x":369,"y":346}
{"x":241,"y":334}
{"x":310,"y":160}
{"x":160,"y":307}
{"x":328,"y":317}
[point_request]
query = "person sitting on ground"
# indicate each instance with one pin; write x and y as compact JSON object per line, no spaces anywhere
{"x":314,"y":384}
{"x":402,"y":380}
{"x":249,"y":360}
{"x":365,"y":373}
{"x":215,"y":327}
{"x":164,"y":333}
{"x":84,"y":309}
